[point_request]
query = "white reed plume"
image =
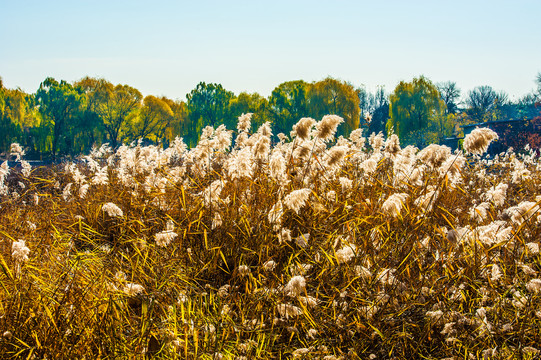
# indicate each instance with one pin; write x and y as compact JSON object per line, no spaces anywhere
{"x":534,"y":285}
{"x":392,"y":144}
{"x":241,"y":164}
{"x":302,"y":240}
{"x":288,"y":310}
{"x":211,"y":194}
{"x":369,"y":165}
{"x":261,"y":145}
{"x":132,"y":289}
{"x":4,"y":172}
{"x":244,"y":122}
{"x":26,"y":168}
{"x":112,"y":210}
{"x":17,"y":150}
{"x":326,"y":128}
{"x":478,"y":140}
{"x":243,"y":270}
{"x":345,"y":183}
{"x":19,"y":251}
{"x":66,"y":193}
{"x":165,"y":237}
{"x":275,"y":213}
{"x":346,"y":253}
{"x":376,"y":141}
{"x":295,"y":286}
{"x":269,"y":265}
{"x":434,"y":155}
{"x":101,"y":177}
{"x":296,"y":199}
{"x":496,"y":273}
{"x":497,"y":194}
{"x":426,"y":201}
{"x":302,"y":128}
{"x":221,"y":141}
{"x":394,"y":204}
{"x":357,"y":138}
{"x":523,"y":211}
{"x":452,"y":167}
{"x":336,"y":154}
{"x":284,"y":235}
{"x":479,"y":212}
{"x":277,"y":168}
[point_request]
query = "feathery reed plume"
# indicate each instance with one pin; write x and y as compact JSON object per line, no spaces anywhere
{"x":434,"y":155}
{"x":326,"y":128}
{"x":392,"y":145}
{"x":132,"y":289}
{"x":478,"y":140}
{"x":19,"y":251}
{"x":302,"y":128}
{"x":346,"y":253}
{"x":17,"y":151}
{"x":165,"y":237}
{"x":112,"y":210}
{"x":394,"y":204}
{"x":295,"y":286}
{"x":356,"y":136}
{"x":336,"y":154}
{"x":376,"y":141}
{"x":244,"y":122}
{"x":296,"y":199}
{"x":288,"y":311}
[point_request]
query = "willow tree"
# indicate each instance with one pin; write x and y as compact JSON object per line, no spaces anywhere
{"x":331,"y":96}
{"x":415,"y":109}
{"x":287,"y":105}
{"x":60,"y":105}
{"x":116,"y":105}
{"x":154,"y":117}
{"x":15,"y":116}
{"x":248,"y":103}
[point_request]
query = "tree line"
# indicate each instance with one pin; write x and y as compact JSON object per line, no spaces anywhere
{"x":67,"y":119}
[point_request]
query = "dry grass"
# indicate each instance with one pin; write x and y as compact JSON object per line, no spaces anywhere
{"x":406,"y":279}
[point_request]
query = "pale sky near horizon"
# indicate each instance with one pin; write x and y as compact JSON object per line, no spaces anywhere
{"x":168,"y":47}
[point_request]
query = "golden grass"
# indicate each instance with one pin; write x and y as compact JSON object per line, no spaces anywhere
{"x":71,"y":299}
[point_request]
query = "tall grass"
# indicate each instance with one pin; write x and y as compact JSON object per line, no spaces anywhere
{"x":314,"y":248}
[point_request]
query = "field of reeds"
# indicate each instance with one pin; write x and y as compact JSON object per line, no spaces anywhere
{"x":310,"y":248}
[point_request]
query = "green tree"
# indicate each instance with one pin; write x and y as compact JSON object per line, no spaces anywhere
{"x":208,"y":104}
{"x":414,"y":108}
{"x":331,"y":96}
{"x":91,"y":129}
{"x":288,"y":104}
{"x":11,"y":111}
{"x":19,"y":119}
{"x":248,"y":103}
{"x":60,"y":105}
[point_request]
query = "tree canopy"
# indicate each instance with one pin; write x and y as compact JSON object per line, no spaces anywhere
{"x":414,"y":107}
{"x":331,"y":96}
{"x":60,"y":104}
{"x":63,"y":118}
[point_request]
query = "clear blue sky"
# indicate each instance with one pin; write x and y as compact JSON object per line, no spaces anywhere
{"x":167,"y":47}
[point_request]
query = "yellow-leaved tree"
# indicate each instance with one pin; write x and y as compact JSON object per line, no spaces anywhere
{"x":334,"y":97}
{"x":417,"y":113}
